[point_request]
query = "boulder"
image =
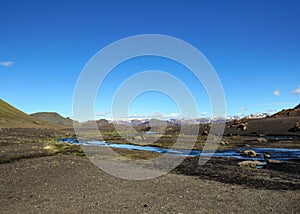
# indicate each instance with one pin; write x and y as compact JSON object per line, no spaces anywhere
{"x":296,"y":128}
{"x":224,"y":143}
{"x":250,"y":164}
{"x":138,"y":137}
{"x":274,"y":161}
{"x":249,"y":153}
{"x":242,"y":126}
{"x":262,"y":140}
{"x":205,"y":133}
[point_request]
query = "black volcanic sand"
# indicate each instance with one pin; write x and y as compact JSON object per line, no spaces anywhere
{"x":36,"y":180}
{"x":20,"y":143}
{"x":267,"y":126}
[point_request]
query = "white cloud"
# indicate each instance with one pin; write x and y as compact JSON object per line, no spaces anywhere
{"x":271,"y":110}
{"x":137,"y":116}
{"x":243,"y":108}
{"x":297,"y":90}
{"x":276,"y":92}
{"x":6,"y":63}
{"x":172,"y":116}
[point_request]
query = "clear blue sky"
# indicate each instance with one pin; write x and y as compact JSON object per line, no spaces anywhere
{"x":254,"y":47}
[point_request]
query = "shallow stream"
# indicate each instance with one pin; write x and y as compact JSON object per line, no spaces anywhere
{"x":281,"y":154}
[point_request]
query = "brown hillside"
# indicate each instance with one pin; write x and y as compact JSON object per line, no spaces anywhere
{"x":294,"y":112}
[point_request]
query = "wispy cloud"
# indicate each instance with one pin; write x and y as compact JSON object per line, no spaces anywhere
{"x":297,"y":90}
{"x":6,"y":63}
{"x":277,"y":92}
{"x":243,"y":108}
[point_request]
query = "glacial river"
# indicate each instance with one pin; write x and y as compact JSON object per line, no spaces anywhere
{"x":275,"y":153}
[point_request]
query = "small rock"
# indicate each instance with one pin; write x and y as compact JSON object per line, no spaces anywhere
{"x":138,"y":137}
{"x":262,"y":140}
{"x":274,"y":161}
{"x":242,"y":127}
{"x":296,"y":128}
{"x":205,"y":133}
{"x":250,"y":164}
{"x":224,"y":143}
{"x":298,"y":125}
{"x":250,"y":153}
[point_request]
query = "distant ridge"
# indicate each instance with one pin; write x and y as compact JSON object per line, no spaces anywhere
{"x":53,"y":117}
{"x":11,"y":117}
{"x":288,"y":112}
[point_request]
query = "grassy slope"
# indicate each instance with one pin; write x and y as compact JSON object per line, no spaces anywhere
{"x":52,"y":117}
{"x":12,"y":117}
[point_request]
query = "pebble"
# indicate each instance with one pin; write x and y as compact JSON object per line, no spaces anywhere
{"x":274,"y":161}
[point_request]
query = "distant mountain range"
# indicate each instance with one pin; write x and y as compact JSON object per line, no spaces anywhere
{"x":13,"y":117}
{"x":203,"y":120}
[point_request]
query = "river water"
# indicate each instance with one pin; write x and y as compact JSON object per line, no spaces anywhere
{"x":275,"y":153}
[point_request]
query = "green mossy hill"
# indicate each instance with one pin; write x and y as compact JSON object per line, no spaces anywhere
{"x":53,"y":117}
{"x":13,"y":117}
